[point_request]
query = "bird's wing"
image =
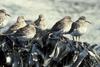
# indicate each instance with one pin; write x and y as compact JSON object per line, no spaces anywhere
{"x":73,"y":27}
{"x":37,"y":22}
{"x":11,"y":29}
{"x":20,"y":32}
{"x":58,"y":26}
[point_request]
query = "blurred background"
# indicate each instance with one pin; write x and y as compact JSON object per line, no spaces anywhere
{"x":54,"y":10}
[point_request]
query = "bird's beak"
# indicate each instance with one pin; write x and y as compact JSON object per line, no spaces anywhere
{"x":89,"y":22}
{"x":8,"y":15}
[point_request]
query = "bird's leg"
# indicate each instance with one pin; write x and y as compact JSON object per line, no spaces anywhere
{"x":79,"y":38}
{"x":29,"y":43}
{"x":76,"y":51}
{"x":76,"y":41}
{"x":77,"y":44}
{"x":81,"y":42}
{"x":76,"y":38}
{"x":73,"y":37}
{"x":40,"y":42}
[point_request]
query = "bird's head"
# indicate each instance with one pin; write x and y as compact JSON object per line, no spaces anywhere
{"x":67,"y":18}
{"x":82,"y":18}
{"x":20,"y":19}
{"x":4,"y":13}
{"x":41,"y":17}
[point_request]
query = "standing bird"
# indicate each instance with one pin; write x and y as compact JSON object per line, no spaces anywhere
{"x":25,"y":34}
{"x":62,"y":25}
{"x":20,"y":23}
{"x":3,"y":20}
{"x":40,"y":29}
{"x":40,"y":22}
{"x":3,"y":17}
{"x":79,"y":27}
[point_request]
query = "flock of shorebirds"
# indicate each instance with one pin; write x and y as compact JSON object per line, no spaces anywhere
{"x":24,"y":31}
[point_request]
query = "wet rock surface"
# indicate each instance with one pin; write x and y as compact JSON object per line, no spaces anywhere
{"x":54,"y":52}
